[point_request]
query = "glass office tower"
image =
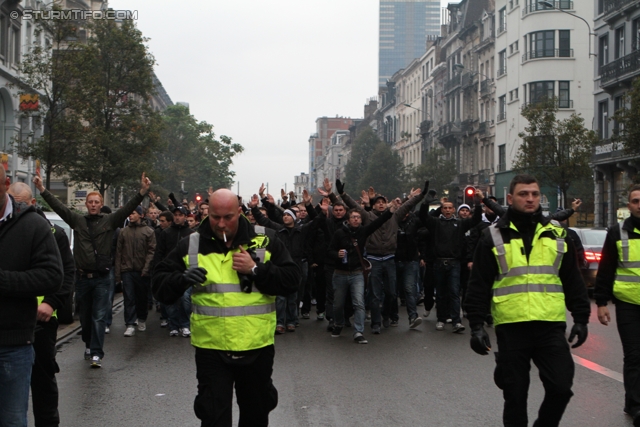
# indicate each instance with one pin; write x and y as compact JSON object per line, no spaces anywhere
{"x":404,"y":27}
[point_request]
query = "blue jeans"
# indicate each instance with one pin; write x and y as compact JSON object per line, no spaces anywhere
{"x":343,"y":284}
{"x":179,"y":312}
{"x":94,"y":306}
{"x":136,"y":291}
{"x":447,"y":275}
{"x":408,"y":273}
{"x":384,"y":291}
{"x":15,"y":378}
{"x":287,"y":309}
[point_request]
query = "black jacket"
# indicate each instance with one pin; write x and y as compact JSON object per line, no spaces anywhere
{"x":30,"y":266}
{"x":407,"y":249}
{"x":278,"y":276}
{"x":485,"y":270}
{"x":609,"y":260}
{"x":169,"y":239}
{"x":61,"y":298}
{"x":448,"y":234}
{"x":343,"y":239}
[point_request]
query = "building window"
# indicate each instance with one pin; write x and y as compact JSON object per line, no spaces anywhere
{"x":564,"y":40}
{"x":502,"y":158}
{"x":502,"y":108}
{"x":540,"y":91}
{"x":600,"y":7}
{"x":618,"y":104}
{"x":603,"y":52}
{"x":603,"y":123}
{"x":564,"y":98}
{"x":635,"y":35}
{"x":502,"y":63}
{"x":542,"y":44}
{"x":619,"y":53}
{"x":502,"y":20}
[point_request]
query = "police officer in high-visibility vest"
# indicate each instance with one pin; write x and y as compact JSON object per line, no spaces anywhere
{"x":618,"y":280}
{"x":525,"y":271}
{"x":236,"y":273}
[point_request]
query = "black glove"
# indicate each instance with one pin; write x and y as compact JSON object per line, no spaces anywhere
{"x":432,"y":194}
{"x":339,"y":187}
{"x":425,"y":190}
{"x":194,"y":276}
{"x":480,"y":342}
{"x":580,"y":330}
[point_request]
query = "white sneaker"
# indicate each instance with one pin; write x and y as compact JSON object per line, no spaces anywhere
{"x":427,"y":313}
{"x":107,"y":330}
{"x":142,"y":326}
{"x":439,"y":326}
{"x":185,"y":332}
{"x":130,"y":331}
{"x":458,"y":328}
{"x":174,"y":333}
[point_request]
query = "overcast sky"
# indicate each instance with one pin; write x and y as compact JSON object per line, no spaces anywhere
{"x":261,"y":72}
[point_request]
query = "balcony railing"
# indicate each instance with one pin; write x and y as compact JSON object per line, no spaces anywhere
{"x":485,"y":87}
{"x":620,"y":69}
{"x":448,"y":129}
{"x":502,"y":71}
{"x":613,"y":7}
{"x":537,"y":7}
{"x":483,"y":127}
{"x":452,"y":83}
{"x":502,"y":116}
{"x":502,"y":28}
{"x":547,"y":53}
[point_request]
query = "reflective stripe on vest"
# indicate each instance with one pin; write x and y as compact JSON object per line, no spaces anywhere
{"x":223,"y":317}
{"x":626,"y":286}
{"x":528,"y":289}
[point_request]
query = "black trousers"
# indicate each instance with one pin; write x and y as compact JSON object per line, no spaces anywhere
{"x":429,"y":284}
{"x":44,"y":388}
{"x":320,"y":287}
{"x":546,"y":345}
{"x":628,"y":321}
{"x":217,"y":374}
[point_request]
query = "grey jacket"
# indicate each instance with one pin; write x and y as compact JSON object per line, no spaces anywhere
{"x":103,"y":225}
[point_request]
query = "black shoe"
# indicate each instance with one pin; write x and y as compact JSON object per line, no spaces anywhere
{"x":394,"y":323}
{"x":358,"y":338}
{"x":386,"y":323}
{"x":330,"y":326}
{"x":375,"y":330}
{"x":336,"y":331}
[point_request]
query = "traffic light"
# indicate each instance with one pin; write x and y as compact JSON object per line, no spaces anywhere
{"x":198,"y":198}
{"x":469,"y":192}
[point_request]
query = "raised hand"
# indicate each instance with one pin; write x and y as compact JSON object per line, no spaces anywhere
{"x":339,"y":186}
{"x":145,"y":183}
{"x":292,"y":195}
{"x":271,"y":199}
{"x":323,"y":193}
{"x":37,"y":181}
{"x":415,"y":192}
{"x":306,"y":197}
{"x":327,"y":185}
{"x":253,"y":202}
{"x":261,"y":191}
{"x":282,"y":194}
{"x":365,"y":197}
{"x":576,"y":204}
{"x":372,"y":193}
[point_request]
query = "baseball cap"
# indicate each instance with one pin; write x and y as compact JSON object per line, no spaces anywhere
{"x":180,"y":209}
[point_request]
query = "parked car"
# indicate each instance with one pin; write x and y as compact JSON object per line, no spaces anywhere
{"x":66,"y":313}
{"x":592,"y":239}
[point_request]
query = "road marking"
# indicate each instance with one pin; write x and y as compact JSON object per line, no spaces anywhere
{"x":597,"y":368}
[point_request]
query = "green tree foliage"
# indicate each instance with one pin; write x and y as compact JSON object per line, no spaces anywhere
{"x":47,"y":69}
{"x":557,"y":152}
{"x":385,"y":173}
{"x":112,"y":83}
{"x":627,"y":121}
{"x":191,"y":153}
{"x":362,"y":149}
{"x":437,"y":169}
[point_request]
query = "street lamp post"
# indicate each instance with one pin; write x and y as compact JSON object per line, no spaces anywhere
{"x":551,"y":6}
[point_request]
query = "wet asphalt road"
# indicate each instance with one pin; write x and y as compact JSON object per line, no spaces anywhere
{"x":401,"y":378}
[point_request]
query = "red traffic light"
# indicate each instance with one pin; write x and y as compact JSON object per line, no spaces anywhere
{"x":198,"y":198}
{"x":469,"y":191}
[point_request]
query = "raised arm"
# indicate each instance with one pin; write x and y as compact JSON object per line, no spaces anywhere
{"x":71,"y":218}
